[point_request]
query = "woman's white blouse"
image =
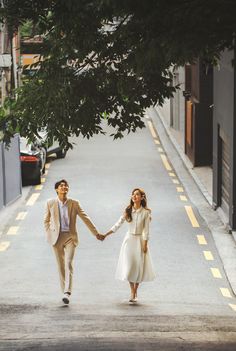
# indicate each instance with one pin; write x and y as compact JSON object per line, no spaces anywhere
{"x":139,"y":224}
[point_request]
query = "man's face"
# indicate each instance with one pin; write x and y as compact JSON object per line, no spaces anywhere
{"x":62,"y":189}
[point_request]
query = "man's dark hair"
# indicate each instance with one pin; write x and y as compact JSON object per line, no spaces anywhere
{"x":59,"y":182}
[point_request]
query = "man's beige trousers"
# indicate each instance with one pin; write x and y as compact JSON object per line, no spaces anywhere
{"x":64,"y":250}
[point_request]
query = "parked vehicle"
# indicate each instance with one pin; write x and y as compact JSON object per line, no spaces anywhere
{"x":57,"y":149}
{"x":52,"y":148}
{"x":33,"y":159}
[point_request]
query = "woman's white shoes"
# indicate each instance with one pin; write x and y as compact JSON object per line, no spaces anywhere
{"x":133,"y":300}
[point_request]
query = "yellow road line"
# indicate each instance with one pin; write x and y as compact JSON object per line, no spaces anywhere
{"x":47,"y":165}
{"x":13,"y":230}
{"x":201,"y":240}
{"x":32,"y":199}
{"x":43,"y":180}
{"x":226,"y":293}
{"x":152,"y":130}
{"x":216,"y":273}
{"x":21,"y":216}
{"x":4,"y":245}
{"x":180,"y":189}
{"x":171,"y":174}
{"x":160,"y":149}
{"x":156,"y":141}
{"x":165,"y":162}
{"x":175,"y":181}
{"x":38,"y":187}
{"x":183,"y":198}
{"x":232,"y":306}
{"x":46,"y":172}
{"x":191,"y":216}
{"x":208,"y":255}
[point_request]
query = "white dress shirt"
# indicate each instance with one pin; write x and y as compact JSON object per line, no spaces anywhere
{"x":64,"y":217}
{"x":139,"y":224}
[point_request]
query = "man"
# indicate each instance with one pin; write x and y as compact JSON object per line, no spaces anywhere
{"x":60,"y":225}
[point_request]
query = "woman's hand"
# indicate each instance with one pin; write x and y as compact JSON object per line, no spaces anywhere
{"x":108,"y":233}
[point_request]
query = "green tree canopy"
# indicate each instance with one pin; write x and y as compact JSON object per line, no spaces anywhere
{"x":108,"y":60}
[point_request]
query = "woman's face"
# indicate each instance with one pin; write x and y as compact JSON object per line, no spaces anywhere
{"x":136,"y":197}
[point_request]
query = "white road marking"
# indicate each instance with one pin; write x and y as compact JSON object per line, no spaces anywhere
{"x":191,"y":216}
{"x":232,"y":306}
{"x":21,"y":216}
{"x":152,"y":130}
{"x":216,"y":273}
{"x":32,"y":199}
{"x":226,"y":293}
{"x":39,"y":187}
{"x":4,"y":245}
{"x":208,"y":255}
{"x":175,"y":181}
{"x":201,"y":240}
{"x":165,"y":162}
{"x":13,"y":230}
{"x":171,"y":174}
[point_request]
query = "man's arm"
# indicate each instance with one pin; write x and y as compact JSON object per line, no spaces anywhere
{"x":47,"y":217}
{"x":87,"y":221}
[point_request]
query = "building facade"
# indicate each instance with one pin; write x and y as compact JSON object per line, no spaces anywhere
{"x":10,"y":167}
{"x":198,"y":113}
{"x":224,"y":138}
{"x":202,"y":118}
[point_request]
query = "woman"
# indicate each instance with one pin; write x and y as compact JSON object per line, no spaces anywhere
{"x":134,"y":262}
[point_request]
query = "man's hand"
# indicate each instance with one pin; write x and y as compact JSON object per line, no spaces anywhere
{"x":145,"y":246}
{"x":100,"y":237}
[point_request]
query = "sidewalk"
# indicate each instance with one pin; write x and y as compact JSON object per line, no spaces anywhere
{"x":199,"y":195}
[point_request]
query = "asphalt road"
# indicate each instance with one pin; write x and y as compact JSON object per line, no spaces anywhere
{"x":190,"y":305}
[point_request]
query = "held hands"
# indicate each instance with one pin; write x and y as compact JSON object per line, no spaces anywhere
{"x":100,"y":237}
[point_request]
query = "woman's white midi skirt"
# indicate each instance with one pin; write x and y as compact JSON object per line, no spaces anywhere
{"x":134,"y":265}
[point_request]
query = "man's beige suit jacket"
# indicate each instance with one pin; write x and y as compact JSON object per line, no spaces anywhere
{"x":52,"y":220}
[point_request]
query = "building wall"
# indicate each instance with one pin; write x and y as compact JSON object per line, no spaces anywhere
{"x":224,"y":93}
{"x":10,"y":168}
{"x":10,"y":172}
{"x":178,"y":101}
{"x":173,"y":110}
{"x":223,"y":132}
{"x":1,"y":178}
{"x":5,"y":72}
{"x":165,"y":110}
{"x":199,"y":116}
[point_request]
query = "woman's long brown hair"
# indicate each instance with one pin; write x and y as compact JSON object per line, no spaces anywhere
{"x":128,"y":210}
